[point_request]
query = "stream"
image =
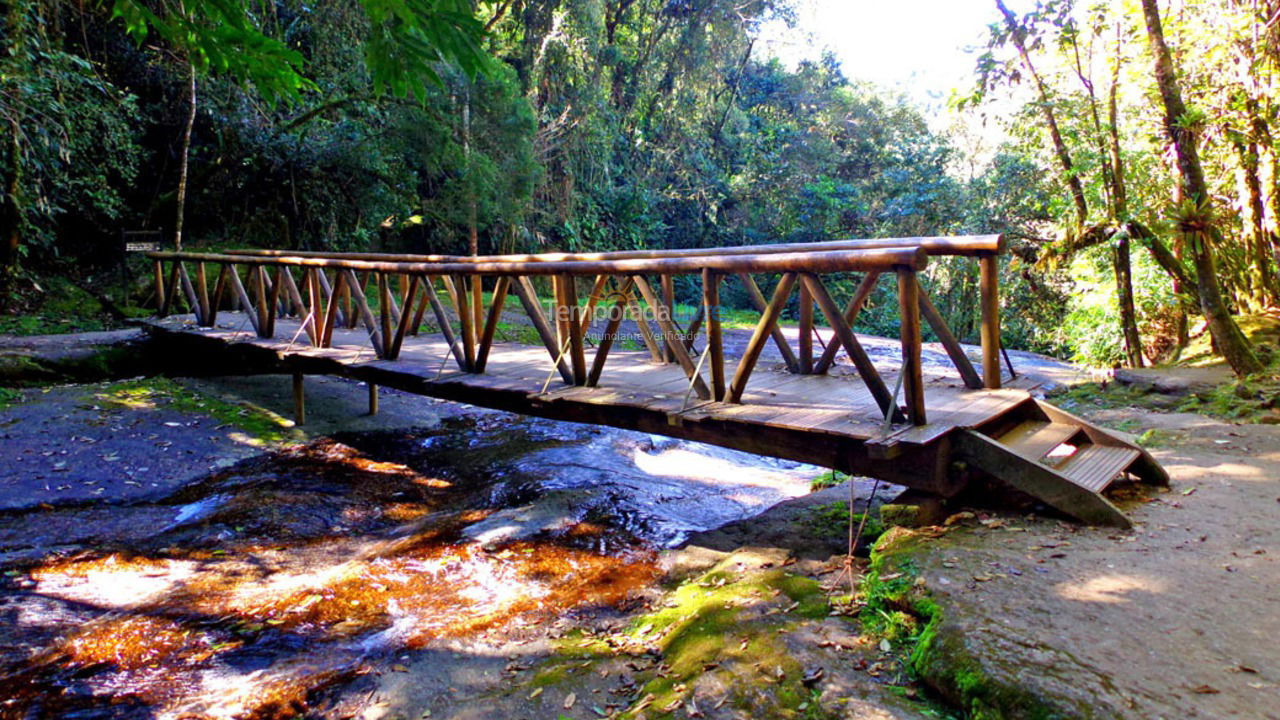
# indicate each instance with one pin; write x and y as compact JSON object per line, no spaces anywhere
{"x":251,"y":591}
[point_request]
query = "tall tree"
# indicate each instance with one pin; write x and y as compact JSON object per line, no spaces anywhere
{"x":1195,"y":220}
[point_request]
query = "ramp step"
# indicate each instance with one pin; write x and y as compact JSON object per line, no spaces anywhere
{"x":1036,"y":438}
{"x":1094,"y":466}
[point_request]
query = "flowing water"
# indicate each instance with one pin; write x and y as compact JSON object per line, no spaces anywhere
{"x":254,"y":589}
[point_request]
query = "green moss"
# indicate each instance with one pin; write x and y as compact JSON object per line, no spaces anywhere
{"x":829,"y":478}
{"x":937,"y":652}
{"x":728,"y":621}
{"x":832,"y":521}
{"x":59,"y":306}
{"x":9,"y":397}
{"x":261,"y":426}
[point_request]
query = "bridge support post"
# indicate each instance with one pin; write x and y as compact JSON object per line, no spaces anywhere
{"x":912,"y":373}
{"x":989,"y":289}
{"x":299,"y":400}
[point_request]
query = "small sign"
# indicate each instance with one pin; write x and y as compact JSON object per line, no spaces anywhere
{"x":141,"y":247}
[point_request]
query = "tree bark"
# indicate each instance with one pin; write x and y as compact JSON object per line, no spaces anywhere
{"x":1018,"y":36}
{"x":1264,"y":286}
{"x":1231,"y":342}
{"x":1124,"y":292}
{"x":184,"y":160}
{"x":10,"y":209}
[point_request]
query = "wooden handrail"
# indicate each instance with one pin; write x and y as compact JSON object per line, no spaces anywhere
{"x":404,"y":288}
{"x":893,"y":258}
{"x":960,"y":245}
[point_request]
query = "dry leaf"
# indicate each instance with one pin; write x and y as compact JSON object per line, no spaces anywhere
{"x":569,"y":701}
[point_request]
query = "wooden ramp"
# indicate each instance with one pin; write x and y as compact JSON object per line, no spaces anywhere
{"x":362,"y":317}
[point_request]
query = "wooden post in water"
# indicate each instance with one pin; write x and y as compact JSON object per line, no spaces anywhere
{"x":373,"y":398}
{"x":715,"y":338}
{"x":806,"y":331}
{"x":912,"y":373}
{"x":299,"y":399}
{"x":989,"y":289}
{"x":159,"y":273}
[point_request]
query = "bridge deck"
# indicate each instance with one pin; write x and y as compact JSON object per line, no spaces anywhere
{"x":780,"y":415}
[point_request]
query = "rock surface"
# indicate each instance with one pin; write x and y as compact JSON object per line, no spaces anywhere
{"x":1176,"y":619}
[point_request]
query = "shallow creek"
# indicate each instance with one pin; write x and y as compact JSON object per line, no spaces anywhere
{"x":249,"y":591}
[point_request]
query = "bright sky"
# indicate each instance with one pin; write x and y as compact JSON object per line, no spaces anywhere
{"x":922,"y":47}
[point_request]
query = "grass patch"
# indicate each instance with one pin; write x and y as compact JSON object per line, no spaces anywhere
{"x":832,"y":521}
{"x":828,"y":479}
{"x":260,"y":426}
{"x":9,"y":397}
{"x":56,"y":307}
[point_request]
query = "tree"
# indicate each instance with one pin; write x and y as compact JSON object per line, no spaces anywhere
{"x":1195,"y":220}
{"x":406,"y":43}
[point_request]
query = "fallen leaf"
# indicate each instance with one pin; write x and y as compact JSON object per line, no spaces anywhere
{"x":536,"y":692}
{"x":570,"y":700}
{"x":1205,"y":690}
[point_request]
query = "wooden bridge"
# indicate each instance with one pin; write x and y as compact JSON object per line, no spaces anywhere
{"x":364,"y":316}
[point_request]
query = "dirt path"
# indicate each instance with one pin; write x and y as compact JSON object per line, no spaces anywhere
{"x":1175,"y":619}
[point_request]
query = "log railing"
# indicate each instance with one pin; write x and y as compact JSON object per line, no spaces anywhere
{"x":390,"y":295}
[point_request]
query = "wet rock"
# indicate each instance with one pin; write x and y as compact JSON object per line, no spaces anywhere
{"x":554,"y":512}
{"x":75,"y":357}
{"x":1173,"y":381}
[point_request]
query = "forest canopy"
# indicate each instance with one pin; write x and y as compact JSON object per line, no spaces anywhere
{"x":1126,"y":148}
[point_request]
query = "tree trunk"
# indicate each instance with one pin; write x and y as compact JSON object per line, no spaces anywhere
{"x":1124,"y":292}
{"x":1046,"y":109}
{"x":10,"y":209}
{"x":184,"y":160}
{"x":1233,"y":344}
{"x":1263,"y":283}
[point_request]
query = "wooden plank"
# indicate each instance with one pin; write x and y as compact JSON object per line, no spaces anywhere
{"x":949,"y":343}
{"x":616,"y":314}
{"x":668,"y":307}
{"x":646,"y":333}
{"x":593,"y":299}
{"x":779,"y":339}
{"x":676,"y":348}
{"x":1094,"y":466}
{"x":219,"y":289}
{"x":462,"y":306}
{"x":187,"y":290}
{"x":715,"y":335}
{"x":1034,"y":438}
{"x":402,"y":327}
{"x":477,"y":309}
{"x":446,"y":328}
{"x":1036,"y":480}
{"x":764,"y":329}
{"x":989,"y":298}
{"x":157,"y":269}
{"x":866,"y":369}
{"x":573,"y":323}
{"x":529,"y":299}
{"x":695,"y":324}
{"x":912,"y":367}
{"x":851,"y":311}
{"x":362,"y":304}
{"x":491,"y":324}
{"x":305,"y":314}
{"x":332,"y":315}
{"x":806,"y":330}
{"x":243,"y":295}
{"x":202,"y":296}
